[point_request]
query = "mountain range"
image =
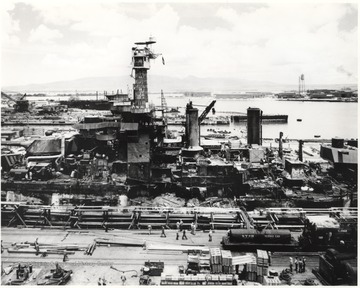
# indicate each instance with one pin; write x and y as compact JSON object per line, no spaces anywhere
{"x":166,"y":83}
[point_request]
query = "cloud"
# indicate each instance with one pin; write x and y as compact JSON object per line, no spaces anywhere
{"x":341,"y":69}
{"x":54,"y":61}
{"x":9,"y":27}
{"x":276,"y":42}
{"x":44,"y":34}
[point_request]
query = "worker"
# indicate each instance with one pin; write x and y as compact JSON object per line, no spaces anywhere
{"x":104,"y":281}
{"x":342,"y":246}
{"x":73,"y":173}
{"x":300,"y":263}
{"x":193,"y":228}
{"x":181,"y":225}
{"x":58,"y":269}
{"x":177,"y":235}
{"x":304,"y":263}
{"x":210,"y":235}
{"x":228,"y":232}
{"x":100,"y":282}
{"x":28,"y":175}
{"x":2,"y":247}
{"x":270,"y":255}
{"x":184,"y":235}
{"x":18,"y":270}
{"x":162,"y":231}
{"x":123,"y":279}
{"x":65,"y":258}
{"x":291,"y":264}
{"x":178,"y":226}
{"x":26,"y":273}
{"x":37,"y":247}
{"x":207,"y":278}
{"x":329,"y":237}
{"x":296,"y":264}
{"x":149,"y":228}
{"x":234,"y":280}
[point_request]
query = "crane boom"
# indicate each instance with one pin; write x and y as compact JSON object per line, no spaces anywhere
{"x":163,"y":106}
{"x":206,"y":111}
{"x":7,"y":96}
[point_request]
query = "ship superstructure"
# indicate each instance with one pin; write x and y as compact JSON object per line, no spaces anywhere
{"x":136,"y":108}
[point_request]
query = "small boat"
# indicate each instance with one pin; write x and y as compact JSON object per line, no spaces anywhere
{"x":299,"y":120}
{"x":317,"y":136}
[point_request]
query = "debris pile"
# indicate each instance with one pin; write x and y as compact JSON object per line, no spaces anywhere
{"x":285,"y":275}
{"x":218,"y":202}
{"x":193,"y":202}
{"x":168,"y":200}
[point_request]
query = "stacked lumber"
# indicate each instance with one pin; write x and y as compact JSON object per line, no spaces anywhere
{"x":189,"y":280}
{"x":271,"y":281}
{"x":262,"y":265}
{"x":248,"y":258}
{"x":215,"y":260}
{"x":193,"y":259}
{"x":251,"y":272}
{"x":227,"y":264}
{"x":262,"y":258}
{"x":204,"y":263}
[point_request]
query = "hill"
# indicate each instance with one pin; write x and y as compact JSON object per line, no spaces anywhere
{"x":166,"y":83}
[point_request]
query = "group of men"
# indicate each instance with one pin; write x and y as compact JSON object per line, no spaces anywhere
{"x":300,"y":264}
{"x":179,"y":228}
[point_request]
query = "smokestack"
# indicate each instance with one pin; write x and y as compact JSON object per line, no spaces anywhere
{"x":280,"y":145}
{"x":301,"y":142}
{"x":192,"y":126}
{"x":254,"y":128}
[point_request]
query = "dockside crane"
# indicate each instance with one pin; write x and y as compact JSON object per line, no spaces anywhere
{"x":7,"y":97}
{"x":21,"y":105}
{"x":206,"y":111}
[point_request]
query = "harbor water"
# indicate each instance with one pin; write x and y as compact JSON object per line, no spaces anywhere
{"x":325,"y":119}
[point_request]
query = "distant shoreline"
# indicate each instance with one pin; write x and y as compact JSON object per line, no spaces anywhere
{"x":320,"y":100}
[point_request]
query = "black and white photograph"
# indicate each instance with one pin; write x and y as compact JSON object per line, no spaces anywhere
{"x":179,"y":143}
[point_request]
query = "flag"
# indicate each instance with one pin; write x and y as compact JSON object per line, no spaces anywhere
{"x":163,"y":60}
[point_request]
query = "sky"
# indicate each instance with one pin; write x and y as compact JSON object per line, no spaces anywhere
{"x":46,"y":41}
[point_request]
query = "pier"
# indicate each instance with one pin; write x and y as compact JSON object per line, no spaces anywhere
{"x":264,"y":118}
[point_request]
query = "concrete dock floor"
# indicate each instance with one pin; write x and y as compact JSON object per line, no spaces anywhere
{"x":88,"y":269}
